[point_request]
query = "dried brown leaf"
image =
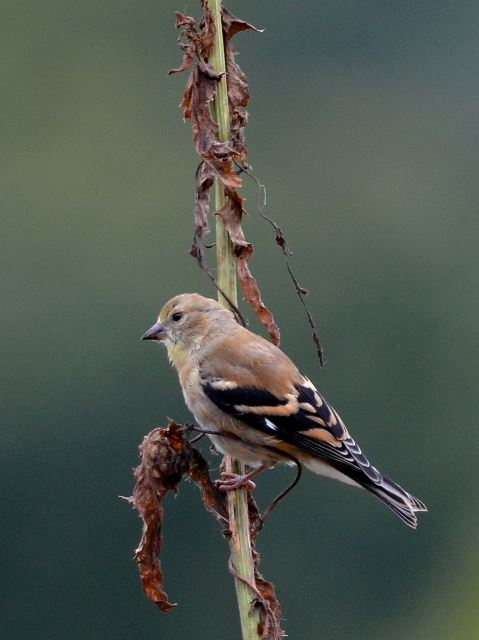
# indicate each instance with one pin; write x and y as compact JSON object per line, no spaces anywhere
{"x":253,"y":296}
{"x":219,"y":158}
{"x":205,"y":178}
{"x":233,"y":25}
{"x":199,"y":94}
{"x":194,"y":42}
{"x":165,"y":457}
{"x":238,"y":92}
{"x":232,"y":214}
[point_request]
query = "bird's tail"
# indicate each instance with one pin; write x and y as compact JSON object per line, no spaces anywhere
{"x":402,"y":503}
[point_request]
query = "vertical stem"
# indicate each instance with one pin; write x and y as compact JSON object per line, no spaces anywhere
{"x":240,"y":543}
{"x":225,"y":259}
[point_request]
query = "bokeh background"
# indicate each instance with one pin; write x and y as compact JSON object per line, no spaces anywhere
{"x":364,"y":128}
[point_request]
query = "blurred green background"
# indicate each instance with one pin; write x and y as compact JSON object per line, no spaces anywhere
{"x":364,"y":128}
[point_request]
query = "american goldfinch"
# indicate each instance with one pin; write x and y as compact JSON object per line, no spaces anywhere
{"x":257,"y":407}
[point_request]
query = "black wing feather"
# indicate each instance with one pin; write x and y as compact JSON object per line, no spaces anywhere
{"x":226,"y":399}
{"x":294,"y":428}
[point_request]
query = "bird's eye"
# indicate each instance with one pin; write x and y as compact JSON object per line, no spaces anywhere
{"x":176,"y":316}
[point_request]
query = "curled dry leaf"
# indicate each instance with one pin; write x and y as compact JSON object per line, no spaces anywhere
{"x":231,"y":215}
{"x":165,"y":458}
{"x":194,"y":43}
{"x":204,"y":181}
{"x":219,"y":158}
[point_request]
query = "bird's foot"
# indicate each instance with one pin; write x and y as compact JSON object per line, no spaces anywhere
{"x":232,"y":481}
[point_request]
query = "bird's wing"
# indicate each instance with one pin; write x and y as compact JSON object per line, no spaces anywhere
{"x":300,"y":417}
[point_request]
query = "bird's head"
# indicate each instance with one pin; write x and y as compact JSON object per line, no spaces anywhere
{"x":187,"y":321}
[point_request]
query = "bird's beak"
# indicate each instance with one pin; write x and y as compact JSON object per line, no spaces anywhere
{"x":156,"y":332}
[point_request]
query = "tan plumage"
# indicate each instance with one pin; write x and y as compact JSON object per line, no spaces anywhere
{"x":238,"y":384}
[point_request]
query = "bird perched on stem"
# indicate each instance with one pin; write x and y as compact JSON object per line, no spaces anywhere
{"x":256,"y":406}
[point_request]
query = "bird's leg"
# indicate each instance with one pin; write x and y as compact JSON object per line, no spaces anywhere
{"x":192,"y":427}
{"x":283,"y":494}
{"x":232,"y":481}
{"x":229,"y":481}
{"x":196,"y":438}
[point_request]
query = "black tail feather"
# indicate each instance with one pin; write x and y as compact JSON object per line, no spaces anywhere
{"x":402,"y":504}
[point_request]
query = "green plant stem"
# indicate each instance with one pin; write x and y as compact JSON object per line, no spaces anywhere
{"x":240,"y":542}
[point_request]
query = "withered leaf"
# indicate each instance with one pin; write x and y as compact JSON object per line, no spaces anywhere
{"x":218,"y":157}
{"x":194,"y":43}
{"x":204,"y":181}
{"x":165,"y":457}
{"x":231,"y":215}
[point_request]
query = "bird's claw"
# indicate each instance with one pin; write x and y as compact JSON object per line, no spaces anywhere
{"x":232,"y":481}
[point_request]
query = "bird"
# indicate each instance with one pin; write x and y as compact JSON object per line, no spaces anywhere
{"x":256,"y":406}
